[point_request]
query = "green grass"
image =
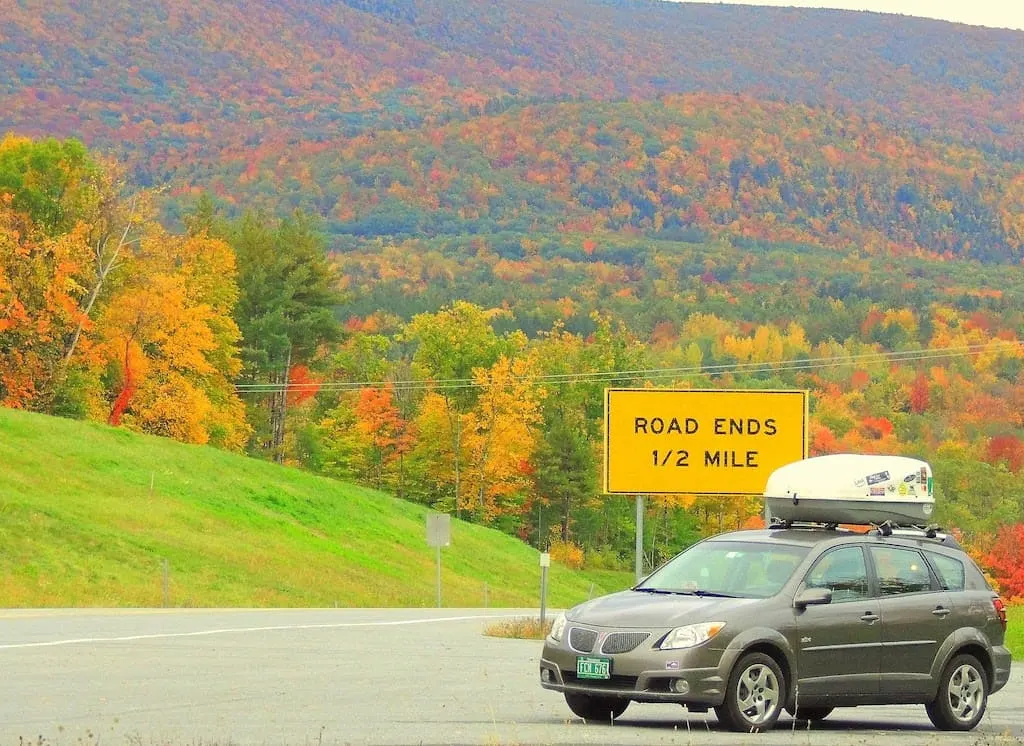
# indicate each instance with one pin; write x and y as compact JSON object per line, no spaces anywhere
{"x":81,"y":526}
{"x":1015,"y":631}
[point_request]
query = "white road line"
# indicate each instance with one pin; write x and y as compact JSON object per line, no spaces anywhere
{"x":236,"y":630}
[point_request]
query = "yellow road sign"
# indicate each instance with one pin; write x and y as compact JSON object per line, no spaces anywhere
{"x":700,"y":441}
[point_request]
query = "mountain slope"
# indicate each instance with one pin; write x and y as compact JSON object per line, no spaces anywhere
{"x":324,"y":65}
{"x":173,"y":79}
{"x":284,"y":103}
{"x":723,"y":164}
{"x":81,"y":526}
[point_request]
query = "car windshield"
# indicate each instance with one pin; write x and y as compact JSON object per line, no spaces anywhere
{"x":741,"y":569}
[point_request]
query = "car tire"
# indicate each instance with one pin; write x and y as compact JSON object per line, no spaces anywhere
{"x":597,"y":709}
{"x":755,"y":695}
{"x":962,"y":697}
{"x":812,"y":714}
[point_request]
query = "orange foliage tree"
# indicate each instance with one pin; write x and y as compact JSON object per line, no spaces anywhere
{"x":1008,"y":449}
{"x":386,"y":434}
{"x":1005,"y":561}
{"x":41,"y":284}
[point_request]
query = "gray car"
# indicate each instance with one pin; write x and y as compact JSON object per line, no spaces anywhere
{"x":802,"y":619}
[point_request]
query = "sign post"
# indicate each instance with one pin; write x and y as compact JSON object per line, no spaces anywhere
{"x":545,"y":563}
{"x":698,"y":442}
{"x":439,"y":535}
{"x":639,"y":565}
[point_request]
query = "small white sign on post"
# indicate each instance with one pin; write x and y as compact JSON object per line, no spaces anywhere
{"x":545,"y":563}
{"x":439,"y":534}
{"x":439,"y":529}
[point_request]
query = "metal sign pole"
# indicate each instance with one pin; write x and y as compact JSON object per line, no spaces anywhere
{"x":438,"y":576}
{"x":438,"y":535}
{"x":545,"y":562}
{"x":639,"y":537}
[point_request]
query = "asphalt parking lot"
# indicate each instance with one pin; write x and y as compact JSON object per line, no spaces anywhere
{"x":350,"y":676}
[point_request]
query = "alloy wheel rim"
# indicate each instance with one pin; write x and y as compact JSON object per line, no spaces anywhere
{"x":758,"y":693}
{"x":965,"y":692}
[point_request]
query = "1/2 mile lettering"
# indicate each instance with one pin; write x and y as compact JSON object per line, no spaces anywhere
{"x":734,"y":459}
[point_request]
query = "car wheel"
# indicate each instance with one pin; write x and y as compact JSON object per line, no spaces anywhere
{"x":755,"y":695}
{"x":599,"y":709}
{"x":962,"y":697}
{"x":813,"y":714}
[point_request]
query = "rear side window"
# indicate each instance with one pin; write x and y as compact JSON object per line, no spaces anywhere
{"x":900,"y":571}
{"x":951,"y":572}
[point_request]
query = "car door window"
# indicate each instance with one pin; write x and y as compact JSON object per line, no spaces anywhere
{"x":951,"y":571}
{"x":843,"y":571}
{"x":900,"y":571}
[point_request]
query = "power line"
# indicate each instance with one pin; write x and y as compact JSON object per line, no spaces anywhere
{"x":649,"y":374}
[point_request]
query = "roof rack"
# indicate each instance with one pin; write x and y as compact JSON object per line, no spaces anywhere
{"x":886,"y":528}
{"x":779,"y":523}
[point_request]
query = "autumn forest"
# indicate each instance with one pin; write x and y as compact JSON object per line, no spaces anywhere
{"x":409,"y":244}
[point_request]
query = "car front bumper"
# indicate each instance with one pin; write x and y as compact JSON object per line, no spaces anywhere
{"x":644,"y":675}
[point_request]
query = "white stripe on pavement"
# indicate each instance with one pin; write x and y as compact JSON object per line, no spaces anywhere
{"x":236,"y":630}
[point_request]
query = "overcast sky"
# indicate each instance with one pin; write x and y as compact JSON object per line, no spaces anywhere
{"x":995,"y":13}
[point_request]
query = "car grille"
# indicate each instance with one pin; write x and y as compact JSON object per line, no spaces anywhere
{"x":582,"y":640}
{"x":615,"y":682}
{"x":623,"y":642}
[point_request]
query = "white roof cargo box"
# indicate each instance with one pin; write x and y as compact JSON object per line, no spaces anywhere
{"x":852,"y":488}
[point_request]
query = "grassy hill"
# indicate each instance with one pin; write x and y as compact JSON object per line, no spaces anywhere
{"x":88,"y":513}
{"x":80,"y":526}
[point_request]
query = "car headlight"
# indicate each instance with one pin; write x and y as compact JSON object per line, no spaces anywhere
{"x":691,"y":635}
{"x":557,"y":628}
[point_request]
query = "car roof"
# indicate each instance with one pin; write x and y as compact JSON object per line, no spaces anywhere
{"x":785,"y":535}
{"x":813,"y":535}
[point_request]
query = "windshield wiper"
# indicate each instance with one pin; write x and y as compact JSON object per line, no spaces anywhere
{"x":714,"y":594}
{"x":698,"y":593}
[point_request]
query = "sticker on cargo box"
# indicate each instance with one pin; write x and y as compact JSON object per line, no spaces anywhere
{"x":881,"y":476}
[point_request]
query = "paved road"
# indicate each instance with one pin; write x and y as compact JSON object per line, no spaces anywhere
{"x":347,"y":676}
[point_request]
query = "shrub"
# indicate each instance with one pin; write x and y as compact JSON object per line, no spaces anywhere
{"x":567,"y":553}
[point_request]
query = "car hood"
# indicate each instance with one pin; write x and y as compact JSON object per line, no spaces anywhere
{"x":638,"y":609}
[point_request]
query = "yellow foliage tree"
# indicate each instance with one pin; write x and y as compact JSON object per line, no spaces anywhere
{"x":500,"y":435}
{"x":169,"y":333}
{"x":41,"y":285}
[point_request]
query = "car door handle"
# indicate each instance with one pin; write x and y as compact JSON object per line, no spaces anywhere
{"x":869,"y":617}
{"x":941,"y":611}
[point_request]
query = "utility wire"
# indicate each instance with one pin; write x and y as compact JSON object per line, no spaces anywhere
{"x":644,"y":373}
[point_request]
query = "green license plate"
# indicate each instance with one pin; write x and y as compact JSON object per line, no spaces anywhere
{"x":593,"y":668}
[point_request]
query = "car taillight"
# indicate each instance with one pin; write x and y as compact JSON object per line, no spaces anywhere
{"x":1000,"y":608}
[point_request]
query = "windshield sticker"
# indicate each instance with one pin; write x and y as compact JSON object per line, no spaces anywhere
{"x":910,"y":477}
{"x":881,"y":476}
{"x":878,"y":492}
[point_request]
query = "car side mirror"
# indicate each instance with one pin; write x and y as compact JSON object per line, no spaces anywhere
{"x":812,"y":597}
